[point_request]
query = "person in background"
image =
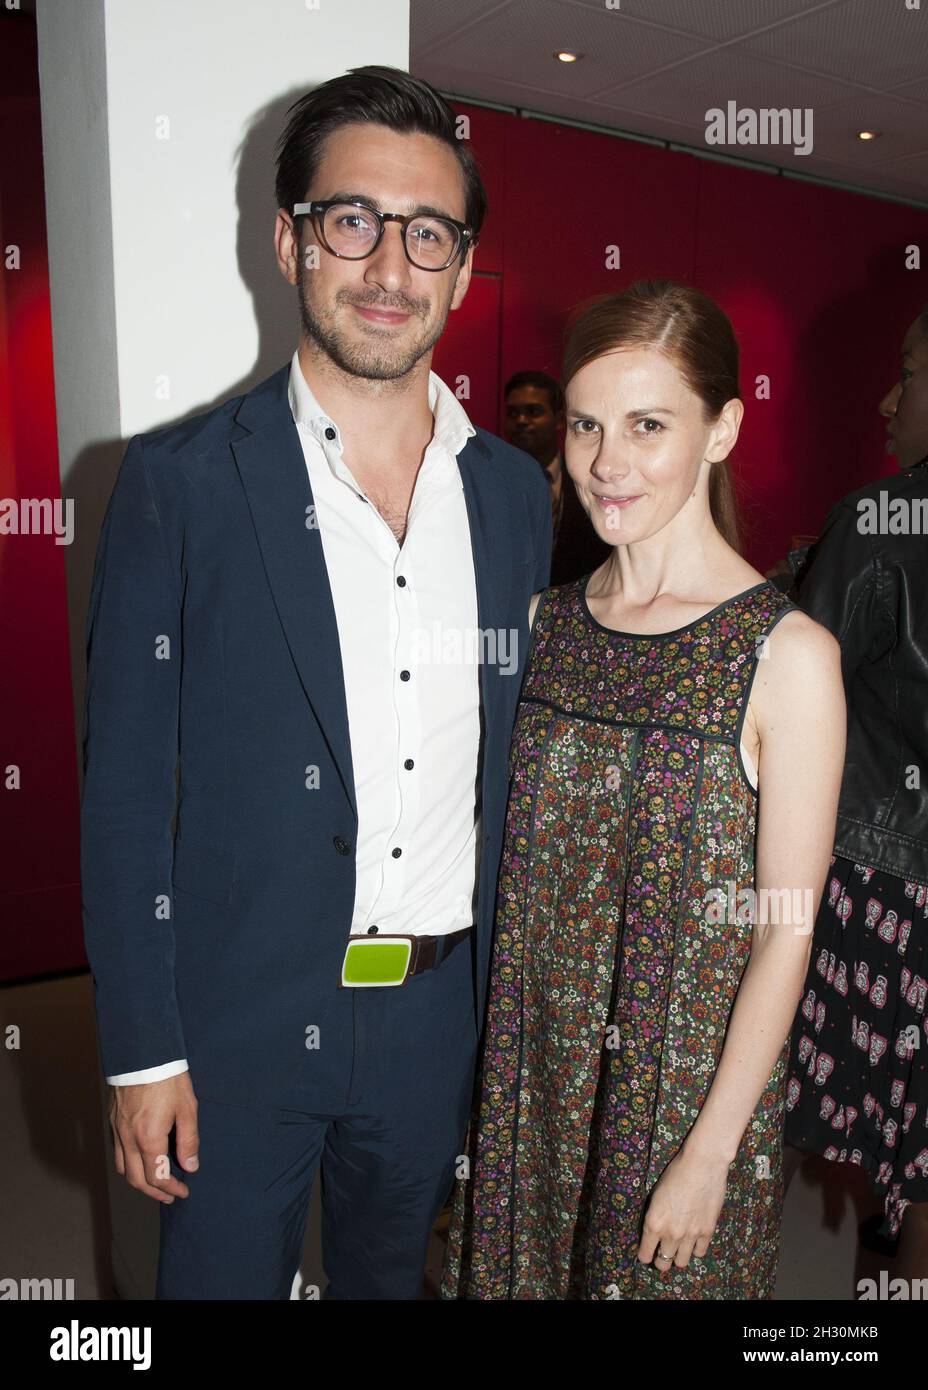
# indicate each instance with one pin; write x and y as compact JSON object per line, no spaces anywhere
{"x":534,"y":418}
{"x":858,"y":1082}
{"x":783,"y":574}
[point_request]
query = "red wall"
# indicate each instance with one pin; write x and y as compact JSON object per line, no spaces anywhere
{"x":40,"y":923}
{"x":813,"y":279}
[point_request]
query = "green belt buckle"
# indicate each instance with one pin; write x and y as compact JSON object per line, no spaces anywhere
{"x":374,"y":961}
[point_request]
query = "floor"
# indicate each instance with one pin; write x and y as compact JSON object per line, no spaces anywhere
{"x":59,"y":1185}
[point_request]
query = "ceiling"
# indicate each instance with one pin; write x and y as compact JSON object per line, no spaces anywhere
{"x":655,"y":67}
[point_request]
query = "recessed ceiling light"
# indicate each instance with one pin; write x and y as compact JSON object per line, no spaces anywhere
{"x":568,"y":57}
{"x":868,"y":134}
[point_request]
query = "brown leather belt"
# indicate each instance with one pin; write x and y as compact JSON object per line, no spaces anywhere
{"x":364,"y":966}
{"x":426,"y":954}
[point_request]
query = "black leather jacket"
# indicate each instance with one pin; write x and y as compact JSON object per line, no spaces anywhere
{"x":871,"y":591}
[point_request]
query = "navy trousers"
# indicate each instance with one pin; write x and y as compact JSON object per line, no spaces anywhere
{"x":407,"y":1057}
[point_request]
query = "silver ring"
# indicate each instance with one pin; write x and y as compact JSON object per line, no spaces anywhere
{"x":661,"y":1256}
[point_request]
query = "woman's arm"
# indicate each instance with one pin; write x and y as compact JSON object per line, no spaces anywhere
{"x":798,"y":704}
{"x":799,"y":710}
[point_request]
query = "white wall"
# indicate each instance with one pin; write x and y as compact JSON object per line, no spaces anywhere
{"x":166,"y":298}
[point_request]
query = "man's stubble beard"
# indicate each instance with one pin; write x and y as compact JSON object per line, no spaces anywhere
{"x":368,"y":359}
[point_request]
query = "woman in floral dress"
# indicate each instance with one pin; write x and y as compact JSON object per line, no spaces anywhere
{"x":626,"y":1139}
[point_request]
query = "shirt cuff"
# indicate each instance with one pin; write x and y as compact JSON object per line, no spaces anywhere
{"x":139,"y":1078}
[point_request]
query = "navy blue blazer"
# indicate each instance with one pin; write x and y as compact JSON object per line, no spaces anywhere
{"x":218,"y":888}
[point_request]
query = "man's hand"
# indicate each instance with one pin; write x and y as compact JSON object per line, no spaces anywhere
{"x":141,"y":1118}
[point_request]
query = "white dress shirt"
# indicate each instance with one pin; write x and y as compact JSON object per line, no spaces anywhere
{"x":414,"y":737}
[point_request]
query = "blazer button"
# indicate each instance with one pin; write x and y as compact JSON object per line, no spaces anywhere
{"x":341,"y":844}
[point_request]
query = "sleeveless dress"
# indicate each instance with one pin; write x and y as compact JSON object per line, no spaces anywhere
{"x":611,"y":984}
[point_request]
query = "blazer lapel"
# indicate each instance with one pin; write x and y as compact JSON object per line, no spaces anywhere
{"x":489,"y":513}
{"x":273,"y":471}
{"x":270,"y":461}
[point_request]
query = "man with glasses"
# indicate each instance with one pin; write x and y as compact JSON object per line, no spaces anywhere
{"x":311,"y":602}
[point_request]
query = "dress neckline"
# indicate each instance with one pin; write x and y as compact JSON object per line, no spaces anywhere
{"x":674,"y":632}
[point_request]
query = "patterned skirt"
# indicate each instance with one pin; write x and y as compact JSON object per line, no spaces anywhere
{"x":858,"y":1072}
{"x":582,"y":1100}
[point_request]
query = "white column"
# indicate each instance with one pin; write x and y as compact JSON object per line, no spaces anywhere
{"x":159,"y":122}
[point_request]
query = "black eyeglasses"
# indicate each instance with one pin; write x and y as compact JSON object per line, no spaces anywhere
{"x":354,"y":230}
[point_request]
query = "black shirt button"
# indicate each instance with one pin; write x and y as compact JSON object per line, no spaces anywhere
{"x":330,"y":433}
{"x":404,"y":675}
{"x":372,"y":931}
{"x":397,"y":853}
{"x":401,"y":580}
{"x":341,"y":844}
{"x":409,"y":764}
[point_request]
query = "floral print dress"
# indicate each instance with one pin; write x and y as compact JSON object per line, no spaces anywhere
{"x":611,"y":984}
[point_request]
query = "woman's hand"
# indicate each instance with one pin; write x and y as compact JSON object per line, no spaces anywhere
{"x":684,"y":1209}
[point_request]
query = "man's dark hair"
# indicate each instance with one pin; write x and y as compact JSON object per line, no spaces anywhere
{"x":381,"y":96}
{"x":542,"y":382}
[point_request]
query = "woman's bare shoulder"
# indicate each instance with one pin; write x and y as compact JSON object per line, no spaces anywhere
{"x":800,"y":663}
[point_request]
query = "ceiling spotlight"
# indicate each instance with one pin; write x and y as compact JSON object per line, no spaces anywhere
{"x":568,"y":57}
{"x":868,"y":134}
